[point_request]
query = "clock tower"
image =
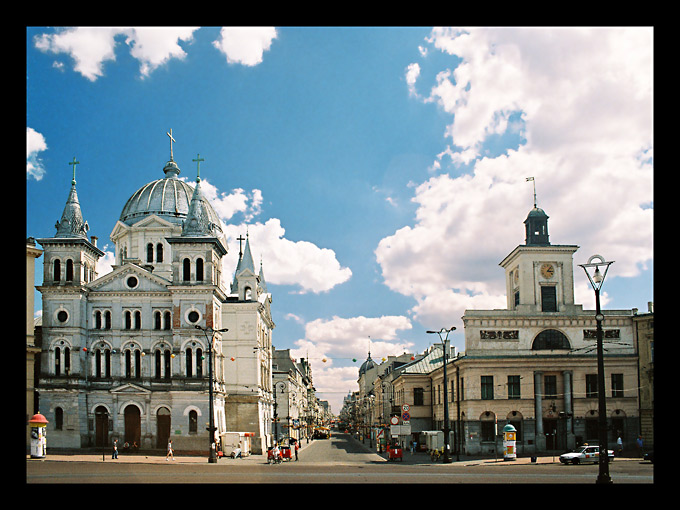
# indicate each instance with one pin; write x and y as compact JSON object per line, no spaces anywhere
{"x":539,"y":276}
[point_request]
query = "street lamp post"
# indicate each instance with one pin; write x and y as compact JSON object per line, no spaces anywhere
{"x":212,"y":456}
{"x":596,"y":280}
{"x":446,"y":459}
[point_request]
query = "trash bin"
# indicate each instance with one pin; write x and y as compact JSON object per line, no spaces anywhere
{"x":38,"y":425}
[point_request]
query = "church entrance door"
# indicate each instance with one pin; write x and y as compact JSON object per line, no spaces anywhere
{"x":101,"y":432}
{"x":133,"y":424}
{"x":162,"y":427}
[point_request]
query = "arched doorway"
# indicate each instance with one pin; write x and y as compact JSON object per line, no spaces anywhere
{"x":101,"y":426}
{"x":162,"y":427}
{"x":133,"y":424}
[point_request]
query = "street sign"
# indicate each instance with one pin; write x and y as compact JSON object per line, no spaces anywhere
{"x":405,"y":408}
{"x":394,"y":420}
{"x":405,"y":416}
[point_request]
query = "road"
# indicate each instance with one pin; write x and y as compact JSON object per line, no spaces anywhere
{"x":341,"y":459}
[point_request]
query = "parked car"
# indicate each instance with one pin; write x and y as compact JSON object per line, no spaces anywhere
{"x":584,"y":453}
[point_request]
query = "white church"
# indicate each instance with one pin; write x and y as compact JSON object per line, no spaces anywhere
{"x":125,"y":355}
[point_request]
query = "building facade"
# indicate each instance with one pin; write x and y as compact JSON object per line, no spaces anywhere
{"x":127,"y":355}
{"x":533,"y":365}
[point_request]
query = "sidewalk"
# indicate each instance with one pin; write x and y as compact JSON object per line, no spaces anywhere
{"x":158,"y":457}
{"x":423,"y":458}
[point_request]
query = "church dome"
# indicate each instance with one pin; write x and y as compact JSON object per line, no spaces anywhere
{"x":168,"y":198}
{"x":367,"y":365}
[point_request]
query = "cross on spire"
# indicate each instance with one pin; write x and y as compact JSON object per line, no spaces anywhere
{"x":240,"y":239}
{"x":171,"y":140}
{"x":198,"y":166}
{"x":74,"y":163}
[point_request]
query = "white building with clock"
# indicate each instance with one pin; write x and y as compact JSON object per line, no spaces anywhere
{"x":533,"y":364}
{"x":125,"y":354}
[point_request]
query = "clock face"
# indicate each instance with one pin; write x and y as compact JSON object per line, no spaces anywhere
{"x":547,"y":270}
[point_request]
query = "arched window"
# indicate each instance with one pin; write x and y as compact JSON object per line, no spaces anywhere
{"x":199,"y":270}
{"x":98,"y":363}
{"x":138,"y":320}
{"x":56,"y":271}
{"x":97,"y":320}
{"x":128,"y":320}
{"x":550,"y":339}
{"x":166,"y":359}
{"x":58,"y":419}
{"x":168,"y":320}
{"x":159,"y":252}
{"x":199,"y":363}
{"x":69,"y":270}
{"x":107,"y":363}
{"x":193,"y":422}
{"x":57,"y":361}
{"x":186,"y":270}
{"x":128,"y":364}
{"x":157,"y":364}
{"x":149,"y":252}
{"x":157,"y":320}
{"x":189,"y":363}
{"x":138,"y":364}
{"x":107,"y":320}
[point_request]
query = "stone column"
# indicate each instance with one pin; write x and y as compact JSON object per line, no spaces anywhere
{"x":568,"y":408}
{"x":538,"y":406}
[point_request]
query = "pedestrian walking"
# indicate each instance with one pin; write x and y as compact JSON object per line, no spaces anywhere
{"x":296,"y":450}
{"x":619,"y":445}
{"x":170,"y":452}
{"x":115,"y":449}
{"x":639,"y":445}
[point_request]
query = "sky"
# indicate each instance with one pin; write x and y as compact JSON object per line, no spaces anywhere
{"x":380,"y":172}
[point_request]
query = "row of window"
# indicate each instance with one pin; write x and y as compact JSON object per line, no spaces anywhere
{"x":132,"y":319}
{"x":69,"y":271}
{"x":548,"y":298}
{"x":192,"y":415}
{"x":513,"y":385}
{"x":132,"y":363}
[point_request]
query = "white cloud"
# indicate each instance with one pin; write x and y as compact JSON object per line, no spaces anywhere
{"x":106,"y":263}
{"x":91,"y":47}
{"x":286,"y":262}
{"x":338,"y":346}
{"x":584,"y":96}
{"x":35,"y":144}
{"x":245,"y":45}
{"x":153,"y":46}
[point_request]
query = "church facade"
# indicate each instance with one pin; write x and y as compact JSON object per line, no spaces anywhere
{"x":126,"y":355}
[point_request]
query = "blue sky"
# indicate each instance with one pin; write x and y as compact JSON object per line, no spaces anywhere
{"x":380,"y":172}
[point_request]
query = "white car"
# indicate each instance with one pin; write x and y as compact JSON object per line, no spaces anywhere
{"x":584,"y":453}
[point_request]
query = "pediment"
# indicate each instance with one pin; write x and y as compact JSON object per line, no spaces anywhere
{"x":149,"y":222}
{"x":119,"y":280}
{"x":130,"y":389}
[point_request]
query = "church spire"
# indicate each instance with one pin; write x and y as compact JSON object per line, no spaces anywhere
{"x":72,"y":223}
{"x":198,"y":221}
